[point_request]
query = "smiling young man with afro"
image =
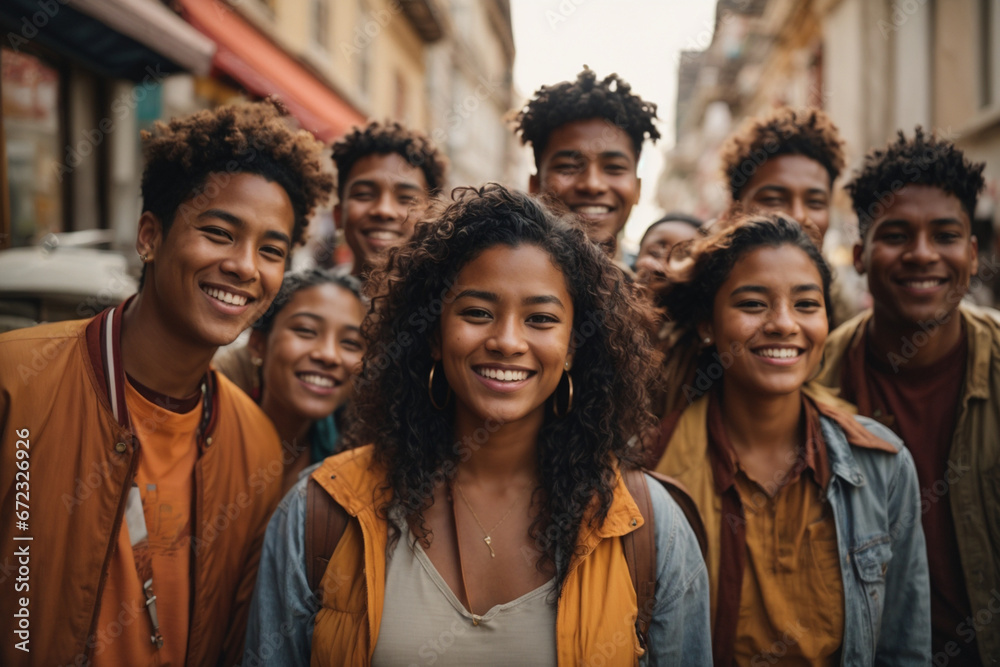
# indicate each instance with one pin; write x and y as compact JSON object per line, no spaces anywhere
{"x":587,"y":136}
{"x":151,"y":476}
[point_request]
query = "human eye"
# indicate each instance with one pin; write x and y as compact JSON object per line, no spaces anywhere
{"x":948,"y":237}
{"x":751,"y":304}
{"x":542,"y":320}
{"x":616,"y":168}
{"x":567,"y":166}
{"x":217,"y":234}
{"x":475,"y":313}
{"x":818,"y":204}
{"x":353,"y":344}
{"x":304,"y":331}
{"x":274,"y":252}
{"x":892,"y":237}
{"x":362,"y":194}
{"x":808,"y":304}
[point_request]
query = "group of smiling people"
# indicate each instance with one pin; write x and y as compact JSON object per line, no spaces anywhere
{"x":499,"y":445}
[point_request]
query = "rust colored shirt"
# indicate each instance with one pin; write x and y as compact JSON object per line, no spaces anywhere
{"x":921,"y":406}
{"x":165,"y":477}
{"x":791,"y":601}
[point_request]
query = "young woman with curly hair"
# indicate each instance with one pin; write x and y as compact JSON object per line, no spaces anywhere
{"x":505,"y":376}
{"x":816,"y":554}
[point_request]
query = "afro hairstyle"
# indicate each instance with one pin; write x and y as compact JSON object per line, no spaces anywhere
{"x":386,"y":138}
{"x":785,"y":131}
{"x":922,"y":160}
{"x":253,"y":138}
{"x":611,"y":99}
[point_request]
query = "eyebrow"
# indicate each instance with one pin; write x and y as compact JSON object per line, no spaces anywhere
{"x":369,"y":183}
{"x":493,"y":297}
{"x":805,"y":287}
{"x":940,"y":222}
{"x":785,"y":188}
{"x":239,"y":223}
{"x":575,"y":154}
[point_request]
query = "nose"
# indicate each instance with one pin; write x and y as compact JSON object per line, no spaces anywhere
{"x":327,"y":351}
{"x":921,"y":250}
{"x":781,"y":321}
{"x":591,"y":180}
{"x":506,"y":338}
{"x":385,"y":207}
{"x":241,"y":263}
{"x":798,"y":211}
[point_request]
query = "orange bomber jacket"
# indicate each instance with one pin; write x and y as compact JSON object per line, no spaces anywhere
{"x":62,"y":402}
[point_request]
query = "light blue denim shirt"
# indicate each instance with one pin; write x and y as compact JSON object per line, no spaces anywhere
{"x":875,"y":499}
{"x":279,"y":630}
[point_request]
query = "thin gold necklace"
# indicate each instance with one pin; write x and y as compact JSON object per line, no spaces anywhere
{"x":487,"y":539}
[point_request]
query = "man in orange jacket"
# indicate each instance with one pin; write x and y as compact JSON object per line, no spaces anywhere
{"x":136,"y":483}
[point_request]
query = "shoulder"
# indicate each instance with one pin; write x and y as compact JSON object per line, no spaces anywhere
{"x":44,"y":340}
{"x":673,"y":531}
{"x":42,"y":355}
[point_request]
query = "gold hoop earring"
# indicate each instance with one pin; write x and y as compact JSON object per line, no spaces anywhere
{"x":569,"y":400}
{"x":430,"y":390}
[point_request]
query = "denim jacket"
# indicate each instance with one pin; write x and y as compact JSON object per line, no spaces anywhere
{"x":283,"y":610}
{"x":874,"y":497}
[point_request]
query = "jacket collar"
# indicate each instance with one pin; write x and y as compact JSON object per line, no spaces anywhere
{"x":104,"y":348}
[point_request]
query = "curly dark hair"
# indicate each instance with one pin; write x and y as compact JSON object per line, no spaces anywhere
{"x":250,"y":138}
{"x":296,"y":281}
{"x":611,"y":99}
{"x":614,"y":362}
{"x":698,"y":268}
{"x":385,"y":138}
{"x":923,"y":160}
{"x":785,"y":131}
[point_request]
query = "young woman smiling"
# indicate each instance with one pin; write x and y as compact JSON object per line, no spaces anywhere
{"x":816,"y":554}
{"x":506,"y":373}
{"x":305,"y":348}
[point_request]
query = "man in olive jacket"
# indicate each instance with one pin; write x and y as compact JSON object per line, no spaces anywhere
{"x":928,"y":366}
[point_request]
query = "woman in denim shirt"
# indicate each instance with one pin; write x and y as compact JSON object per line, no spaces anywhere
{"x":816,"y":553}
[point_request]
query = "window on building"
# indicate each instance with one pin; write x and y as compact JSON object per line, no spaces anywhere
{"x":33,"y":135}
{"x":320,"y":23}
{"x":989,"y":53}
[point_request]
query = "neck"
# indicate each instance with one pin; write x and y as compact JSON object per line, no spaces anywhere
{"x":147,"y":340}
{"x":509,"y":453}
{"x":893,"y":340}
{"x":761,"y":422}
{"x":291,"y":428}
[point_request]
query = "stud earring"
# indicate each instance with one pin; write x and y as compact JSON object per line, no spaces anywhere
{"x":708,"y":340}
{"x":257,"y":361}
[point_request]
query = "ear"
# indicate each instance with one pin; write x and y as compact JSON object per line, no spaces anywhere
{"x":638,"y":190}
{"x":435,"y":341}
{"x":337,"y":213}
{"x":149,"y":236}
{"x":568,"y":364}
{"x":257,"y":343}
{"x":974,"y":260}
{"x":705,"y":331}
{"x":859,"y":258}
{"x":534,"y":184}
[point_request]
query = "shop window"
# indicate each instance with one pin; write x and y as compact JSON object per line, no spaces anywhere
{"x":33,"y":134}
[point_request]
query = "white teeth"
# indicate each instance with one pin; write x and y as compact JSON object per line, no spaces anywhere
{"x":922,"y":284}
{"x":318,"y":380}
{"x":592,"y":210}
{"x":225,"y":297}
{"x":777,"y":352}
{"x":383,"y":235}
{"x":503,"y":376}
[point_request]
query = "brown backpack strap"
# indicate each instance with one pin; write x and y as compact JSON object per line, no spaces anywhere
{"x":640,"y":544}
{"x":640,"y":552}
{"x":326,"y":522}
{"x":687,"y":505}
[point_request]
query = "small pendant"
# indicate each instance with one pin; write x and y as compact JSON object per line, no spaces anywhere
{"x":489,"y":543}
{"x":475,"y":619}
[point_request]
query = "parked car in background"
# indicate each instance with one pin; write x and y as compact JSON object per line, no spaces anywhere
{"x":63,"y":278}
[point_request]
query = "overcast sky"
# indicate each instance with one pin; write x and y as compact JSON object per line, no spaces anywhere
{"x":639,"y":39}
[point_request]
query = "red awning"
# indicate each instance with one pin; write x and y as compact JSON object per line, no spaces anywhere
{"x":264,"y":69}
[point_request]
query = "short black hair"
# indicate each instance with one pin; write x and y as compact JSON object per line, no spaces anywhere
{"x":683,"y":218}
{"x":922,"y":160}
{"x":611,"y":99}
{"x":784,"y":131}
{"x":386,"y":138}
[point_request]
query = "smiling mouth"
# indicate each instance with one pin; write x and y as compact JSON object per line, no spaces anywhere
{"x":778,"y":352}
{"x":592,"y":210}
{"x":317,"y":380}
{"x":386,"y":235}
{"x":224,"y":296}
{"x":504,"y":375}
{"x":926,"y":283}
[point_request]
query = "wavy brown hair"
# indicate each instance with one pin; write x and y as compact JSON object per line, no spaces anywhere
{"x":614,"y":362}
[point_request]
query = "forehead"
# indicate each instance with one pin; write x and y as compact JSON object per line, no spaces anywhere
{"x":328,"y":300}
{"x":386,"y":169}
{"x":590,"y":137}
{"x":793,"y":172}
{"x":921,"y":205}
{"x":774,"y":267}
{"x":520,"y":269}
